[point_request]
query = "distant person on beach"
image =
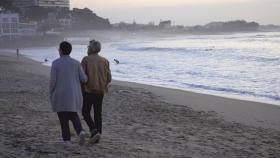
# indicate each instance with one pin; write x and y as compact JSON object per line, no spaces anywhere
{"x":17,"y":53}
{"x":99,"y":76}
{"x":65,"y":92}
{"x":116,"y":61}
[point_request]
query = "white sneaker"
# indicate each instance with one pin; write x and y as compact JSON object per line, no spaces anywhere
{"x":95,"y":137}
{"x":82,"y":138}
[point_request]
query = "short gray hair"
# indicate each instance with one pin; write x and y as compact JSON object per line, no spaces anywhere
{"x":95,"y":45}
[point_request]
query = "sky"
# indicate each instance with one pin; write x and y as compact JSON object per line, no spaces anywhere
{"x":184,"y":12}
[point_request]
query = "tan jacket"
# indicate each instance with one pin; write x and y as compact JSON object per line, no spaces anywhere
{"x":97,"y":69}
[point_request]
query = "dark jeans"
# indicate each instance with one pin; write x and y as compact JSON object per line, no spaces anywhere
{"x":64,"y":118}
{"x":95,"y":100}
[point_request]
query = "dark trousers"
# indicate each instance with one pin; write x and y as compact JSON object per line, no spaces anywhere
{"x":95,"y":100}
{"x":64,"y":118}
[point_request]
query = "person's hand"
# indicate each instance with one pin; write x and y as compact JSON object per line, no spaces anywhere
{"x":107,"y":88}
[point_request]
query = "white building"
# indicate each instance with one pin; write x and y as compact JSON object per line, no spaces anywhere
{"x":28,"y":29}
{"x":9,"y":24}
{"x":42,"y":3}
{"x":65,"y":22}
{"x":54,"y":3}
{"x":10,"y":27}
{"x":25,"y":3}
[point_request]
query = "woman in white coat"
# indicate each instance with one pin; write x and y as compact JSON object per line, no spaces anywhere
{"x":65,"y":92}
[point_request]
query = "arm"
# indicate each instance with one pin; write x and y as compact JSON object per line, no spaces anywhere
{"x":84,"y":65}
{"x":83,"y":77}
{"x":53,"y":78}
{"x":109,"y":75}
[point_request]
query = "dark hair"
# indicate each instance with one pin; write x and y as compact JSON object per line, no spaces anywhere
{"x":65,"y":48}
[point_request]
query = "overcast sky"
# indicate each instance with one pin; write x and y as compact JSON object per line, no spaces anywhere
{"x":185,"y":12}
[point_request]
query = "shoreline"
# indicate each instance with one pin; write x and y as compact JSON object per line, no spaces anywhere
{"x":254,"y":114}
{"x":138,"y":121}
{"x":228,"y":96}
{"x":263,"y":112}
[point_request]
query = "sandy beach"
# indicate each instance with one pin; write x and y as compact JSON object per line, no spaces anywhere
{"x":138,"y":120}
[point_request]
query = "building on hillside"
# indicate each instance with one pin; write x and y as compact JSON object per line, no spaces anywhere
{"x":65,"y":22}
{"x":25,"y":3}
{"x":28,"y":29}
{"x":42,"y":3}
{"x":9,"y":24}
{"x":11,"y":27}
{"x":54,"y":3}
{"x":165,"y":24}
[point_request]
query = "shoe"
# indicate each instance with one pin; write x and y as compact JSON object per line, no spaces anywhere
{"x":98,"y":140}
{"x":95,"y":137}
{"x":82,"y":139}
{"x":67,"y":145}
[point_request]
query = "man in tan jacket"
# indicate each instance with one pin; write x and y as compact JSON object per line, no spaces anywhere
{"x":98,"y":71}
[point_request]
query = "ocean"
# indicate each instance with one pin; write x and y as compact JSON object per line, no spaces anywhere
{"x":242,"y":66}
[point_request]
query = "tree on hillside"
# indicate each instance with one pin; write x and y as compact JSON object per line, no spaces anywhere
{"x":240,"y":25}
{"x":86,"y":19}
{"x":8,"y":5}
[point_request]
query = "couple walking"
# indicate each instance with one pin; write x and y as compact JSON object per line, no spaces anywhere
{"x":76,"y":87}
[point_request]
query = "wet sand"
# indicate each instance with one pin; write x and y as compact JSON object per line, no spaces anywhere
{"x":138,"y":121}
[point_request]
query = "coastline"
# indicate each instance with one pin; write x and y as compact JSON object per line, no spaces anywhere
{"x":139,"y":120}
{"x":254,"y":113}
{"x":220,"y":81}
{"x":104,"y":36}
